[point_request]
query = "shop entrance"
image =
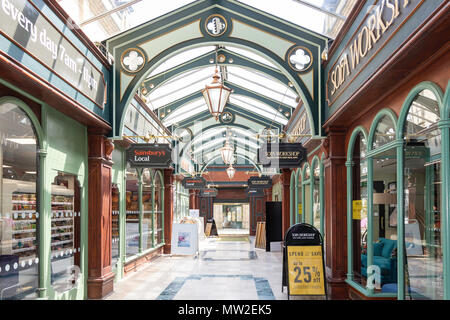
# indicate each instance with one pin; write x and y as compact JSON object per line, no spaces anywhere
{"x":232,"y":218}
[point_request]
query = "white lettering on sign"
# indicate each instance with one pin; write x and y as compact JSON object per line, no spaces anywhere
{"x":36,"y":34}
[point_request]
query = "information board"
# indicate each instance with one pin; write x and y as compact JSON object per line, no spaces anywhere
{"x":306,"y":276}
{"x":303,"y":261}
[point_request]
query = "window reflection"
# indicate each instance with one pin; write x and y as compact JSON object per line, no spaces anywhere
{"x":132,"y":213}
{"x":384,"y":133}
{"x":19,"y":218}
{"x":424,"y":271}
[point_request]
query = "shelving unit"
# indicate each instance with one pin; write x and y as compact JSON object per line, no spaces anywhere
{"x":23,"y":214}
{"x":62,"y":220}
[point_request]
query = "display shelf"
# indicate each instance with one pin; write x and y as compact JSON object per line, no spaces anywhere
{"x":23,"y":250}
{"x":63,"y":219}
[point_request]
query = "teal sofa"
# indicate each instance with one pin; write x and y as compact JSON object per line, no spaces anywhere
{"x":384,"y":256}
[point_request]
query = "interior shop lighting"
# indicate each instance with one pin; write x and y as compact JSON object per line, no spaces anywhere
{"x":28,"y":141}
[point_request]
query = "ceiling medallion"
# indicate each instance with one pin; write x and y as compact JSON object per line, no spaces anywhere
{"x":300,"y":58}
{"x":216,"y":25}
{"x":226,"y":117}
{"x":133,"y":60}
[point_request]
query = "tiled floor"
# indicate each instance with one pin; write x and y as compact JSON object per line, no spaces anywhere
{"x":224,"y":270}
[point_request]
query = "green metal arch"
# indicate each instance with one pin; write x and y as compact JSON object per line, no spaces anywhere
{"x":446,"y":104}
{"x":384,"y":112}
{"x":158,"y":174}
{"x":30,"y":114}
{"x":351,"y":142}
{"x":426,"y":85}
{"x":237,"y":155}
{"x":123,"y":104}
{"x":305,"y":166}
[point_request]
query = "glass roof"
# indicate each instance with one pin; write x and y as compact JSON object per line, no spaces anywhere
{"x":102,"y":19}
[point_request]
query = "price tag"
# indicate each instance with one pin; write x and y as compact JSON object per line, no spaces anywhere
{"x":305,"y":269}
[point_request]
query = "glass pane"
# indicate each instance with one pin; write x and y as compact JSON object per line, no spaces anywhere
{"x":359,"y":209}
{"x":258,"y":108}
{"x":423,"y":243}
{"x":181,"y":58}
{"x":132,"y":213}
{"x":316,"y":196}
{"x":158,"y":213}
{"x":147,"y":192}
{"x":250,"y":55}
{"x":384,"y":133}
{"x":65,"y":232}
{"x":384,"y":228}
{"x":115,"y":239}
{"x":19,"y":260}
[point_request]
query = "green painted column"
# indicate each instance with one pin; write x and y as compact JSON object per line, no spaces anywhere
{"x":444,"y":125}
{"x":295,"y":217}
{"x":141,"y":208}
{"x":349,"y":165}
{"x":311,"y":197}
{"x":44,"y":226}
{"x":303,"y":203}
{"x":400,"y":223}
{"x":162,"y":211}
{"x":369,"y":216}
{"x":153,"y":214}
{"x":291,"y":203}
{"x":322,"y":200}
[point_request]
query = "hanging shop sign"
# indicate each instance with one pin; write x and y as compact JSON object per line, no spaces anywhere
{"x":149,"y":155}
{"x":303,"y":262}
{"x":27,"y":27}
{"x":282,"y":155}
{"x":263,"y":182}
{"x":208,"y":192}
{"x":258,"y":192}
{"x":382,"y":20}
{"x":194,"y":182}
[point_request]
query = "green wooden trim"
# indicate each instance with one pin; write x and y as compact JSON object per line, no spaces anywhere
{"x":314,"y":162}
{"x":141,"y":207}
{"x":351,"y":143}
{"x":376,"y":120}
{"x":400,"y":226}
{"x":445,"y":191}
{"x":426,"y":85}
{"x":292,"y":188}
{"x":42,"y":141}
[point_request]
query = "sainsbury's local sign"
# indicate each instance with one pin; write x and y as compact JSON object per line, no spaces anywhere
{"x":26,"y":26}
{"x":381,"y":21}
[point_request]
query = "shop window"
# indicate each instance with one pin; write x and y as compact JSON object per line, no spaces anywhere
{"x":385,"y":132}
{"x":19,"y":201}
{"x":307,"y":205}
{"x":422,"y":199}
{"x":158,"y":209}
{"x":147,"y":207}
{"x":316,"y":195}
{"x":359,"y":206}
{"x":132,"y":212}
{"x":65,"y":232}
{"x":299,"y":208}
{"x":115,"y":239}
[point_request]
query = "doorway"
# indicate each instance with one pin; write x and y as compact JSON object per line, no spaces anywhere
{"x":232,"y":218}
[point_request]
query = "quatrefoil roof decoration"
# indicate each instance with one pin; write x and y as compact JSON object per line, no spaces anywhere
{"x":300,"y":59}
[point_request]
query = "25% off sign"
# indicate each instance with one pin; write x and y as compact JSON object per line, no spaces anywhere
{"x":305,"y":269}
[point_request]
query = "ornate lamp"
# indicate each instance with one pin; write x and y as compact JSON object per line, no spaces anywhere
{"x":227,"y":152}
{"x":216,"y":96}
{"x":231,"y":171}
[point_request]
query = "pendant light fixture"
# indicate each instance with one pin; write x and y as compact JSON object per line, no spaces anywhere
{"x":231,"y":171}
{"x":227,"y":152}
{"x":216,"y":95}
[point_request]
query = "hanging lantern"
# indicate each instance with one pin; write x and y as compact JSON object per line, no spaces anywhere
{"x":227,"y":153}
{"x":216,"y":96}
{"x":231,"y":171}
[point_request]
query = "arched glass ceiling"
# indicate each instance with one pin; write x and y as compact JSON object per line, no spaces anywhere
{"x":258,"y":108}
{"x":181,"y":58}
{"x":251,"y":55}
{"x":188,"y":110}
{"x":102,"y":19}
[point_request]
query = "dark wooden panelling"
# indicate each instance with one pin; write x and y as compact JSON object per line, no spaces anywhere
{"x":168,"y":209}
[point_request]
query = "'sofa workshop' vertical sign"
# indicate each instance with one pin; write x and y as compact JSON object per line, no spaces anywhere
{"x":303,"y":263}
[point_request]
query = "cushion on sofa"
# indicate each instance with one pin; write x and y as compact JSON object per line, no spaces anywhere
{"x":388,"y":246}
{"x":378,"y":248}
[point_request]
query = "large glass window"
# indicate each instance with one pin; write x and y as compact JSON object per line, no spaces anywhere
{"x":147,"y":207}
{"x":19,"y":219}
{"x":158,"y":209}
{"x":422,"y":196}
{"x":115,"y":214}
{"x":316,"y":195}
{"x":307,"y":185}
{"x":65,"y":232}
{"x":132,"y":212}
{"x":359,"y":206}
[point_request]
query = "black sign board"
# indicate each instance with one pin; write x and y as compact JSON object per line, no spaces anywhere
{"x":282,"y":155}
{"x":255,"y":192}
{"x":303,"y":250}
{"x":208,"y":192}
{"x":211,"y":228}
{"x":149,"y":155}
{"x":194,"y":182}
{"x":262,"y":182}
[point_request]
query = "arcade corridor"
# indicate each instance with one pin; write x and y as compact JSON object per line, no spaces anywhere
{"x":294,"y":143}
